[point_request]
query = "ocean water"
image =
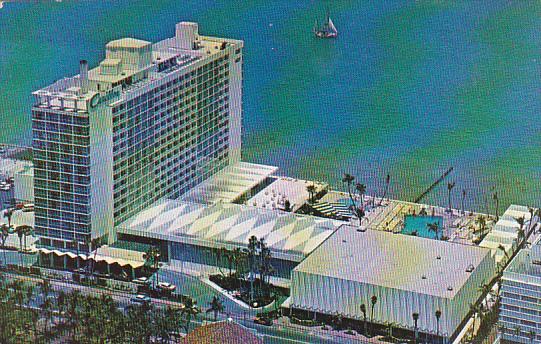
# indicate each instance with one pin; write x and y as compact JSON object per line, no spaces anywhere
{"x":407,"y":89}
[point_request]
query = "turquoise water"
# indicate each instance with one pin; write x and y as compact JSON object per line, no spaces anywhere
{"x":408,"y":88}
{"x":419,"y":224}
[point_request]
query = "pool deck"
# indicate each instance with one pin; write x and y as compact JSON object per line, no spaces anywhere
{"x":389,"y":216}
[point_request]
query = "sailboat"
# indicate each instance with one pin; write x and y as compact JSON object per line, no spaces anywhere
{"x":327,"y":30}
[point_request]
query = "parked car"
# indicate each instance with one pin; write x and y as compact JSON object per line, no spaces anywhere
{"x":263,"y":321}
{"x":81,"y":271}
{"x":141,"y":280}
{"x":140,"y":299}
{"x":164,"y":286}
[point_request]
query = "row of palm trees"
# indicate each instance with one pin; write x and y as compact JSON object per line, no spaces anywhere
{"x":252,"y":264}
{"x":337,"y":320}
{"x":74,"y":317}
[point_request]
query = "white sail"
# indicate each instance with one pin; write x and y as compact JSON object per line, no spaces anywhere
{"x":332,"y":27}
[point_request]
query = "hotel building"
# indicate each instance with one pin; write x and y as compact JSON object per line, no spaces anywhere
{"x":151,"y":121}
{"x":520,"y":315}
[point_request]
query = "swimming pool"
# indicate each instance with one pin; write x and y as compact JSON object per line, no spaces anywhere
{"x":419,"y":224}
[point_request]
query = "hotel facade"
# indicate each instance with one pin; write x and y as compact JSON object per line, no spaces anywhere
{"x":151,"y":121}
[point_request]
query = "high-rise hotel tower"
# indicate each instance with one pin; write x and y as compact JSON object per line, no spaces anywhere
{"x":151,"y":121}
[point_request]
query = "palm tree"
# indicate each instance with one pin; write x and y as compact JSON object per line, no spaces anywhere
{"x":20,"y":233}
{"x":4,"y":234}
{"x":189,"y":311}
{"x":75,"y":243}
{"x":415,"y":320}
{"x":474,"y":309}
{"x":311,"y":191}
{"x":216,"y":306}
{"x":287,"y":205}
{"x":252,"y":247}
{"x":8,"y":214}
{"x":496,"y":201}
{"x":152,"y":258}
{"x":532,"y":214}
{"x":434,"y":227}
{"x":463,"y":199}
{"x":450,"y":187}
{"x":361,"y":189}
{"x":25,"y":231}
{"x":387,"y":181}
{"x":484,"y":289}
{"x":46,"y":306}
{"x":438,"y":316}
{"x":521,"y":236}
{"x":373,"y":301}
{"x":348,"y":179}
{"x":482,"y":223}
{"x":363,"y":310}
{"x":502,"y":248}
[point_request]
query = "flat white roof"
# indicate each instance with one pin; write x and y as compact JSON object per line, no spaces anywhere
{"x":228,"y":224}
{"x":394,"y":261}
{"x":229,"y":184}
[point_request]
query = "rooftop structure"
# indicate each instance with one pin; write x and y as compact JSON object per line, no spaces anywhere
{"x":289,"y":236}
{"x":231,"y":184}
{"x":505,"y":232}
{"x":282,"y":189}
{"x":408,"y":274}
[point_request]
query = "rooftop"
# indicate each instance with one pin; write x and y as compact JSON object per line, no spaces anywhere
{"x":129,"y":65}
{"x":289,"y":236}
{"x":396,"y":261}
{"x":222,"y":332}
{"x":127,"y":43}
{"x":526,"y":264}
{"x":229,"y":184}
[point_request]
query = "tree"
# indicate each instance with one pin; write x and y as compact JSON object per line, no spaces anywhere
{"x":8,"y":213}
{"x":363,"y":310}
{"x":311,"y":191}
{"x":521,"y":236}
{"x":4,"y":234}
{"x":434,"y":227}
{"x":25,"y":231}
{"x":152,"y":259}
{"x":47,"y":305}
{"x":463,"y":199}
{"x":373,"y":301}
{"x":485,"y":290}
{"x":188,"y":312}
{"x":287,"y":205}
{"x":415,"y":320}
{"x":216,"y":306}
{"x":496,"y":201}
{"x":20,"y":233}
{"x":438,"y":316}
{"x":450,"y":187}
{"x":361,"y":189}
{"x":387,"y":182}
{"x":474,"y":309}
{"x":252,"y":251}
{"x":481,"y":222}
{"x":348,"y":179}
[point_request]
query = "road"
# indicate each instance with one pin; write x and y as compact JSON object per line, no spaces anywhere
{"x":202,"y":293}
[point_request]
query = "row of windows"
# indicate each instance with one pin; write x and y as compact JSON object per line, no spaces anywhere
{"x":521,"y":297}
{"x":64,"y":118}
